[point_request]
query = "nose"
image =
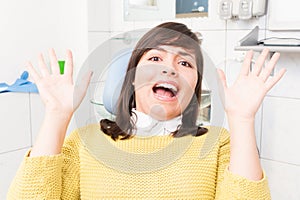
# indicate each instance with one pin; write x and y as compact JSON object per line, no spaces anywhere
{"x":169,"y":72}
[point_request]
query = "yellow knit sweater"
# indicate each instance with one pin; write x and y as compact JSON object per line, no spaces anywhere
{"x":92,"y":166}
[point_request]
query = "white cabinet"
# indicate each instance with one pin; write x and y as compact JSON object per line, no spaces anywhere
{"x":284,"y":15}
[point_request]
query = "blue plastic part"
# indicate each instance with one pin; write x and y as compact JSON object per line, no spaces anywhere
{"x":20,"y":85}
{"x":114,"y":80}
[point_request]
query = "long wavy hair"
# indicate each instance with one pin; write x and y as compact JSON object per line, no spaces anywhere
{"x":171,"y":34}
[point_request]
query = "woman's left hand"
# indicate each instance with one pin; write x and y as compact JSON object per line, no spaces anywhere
{"x":245,"y":96}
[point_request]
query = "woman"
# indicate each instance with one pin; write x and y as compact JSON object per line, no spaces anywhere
{"x":162,"y":88}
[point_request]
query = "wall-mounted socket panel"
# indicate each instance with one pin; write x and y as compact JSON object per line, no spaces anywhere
{"x":241,"y":9}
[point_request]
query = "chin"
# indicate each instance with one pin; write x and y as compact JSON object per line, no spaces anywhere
{"x":162,"y":113}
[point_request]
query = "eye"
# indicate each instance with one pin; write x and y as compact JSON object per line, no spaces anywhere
{"x":186,"y":64}
{"x":155,"y":58}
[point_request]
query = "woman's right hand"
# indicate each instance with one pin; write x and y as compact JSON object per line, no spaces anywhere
{"x":57,"y":93}
{"x":57,"y":90}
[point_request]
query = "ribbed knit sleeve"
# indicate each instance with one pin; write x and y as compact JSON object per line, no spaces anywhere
{"x":48,"y":177}
{"x":232,"y":186}
{"x":37,"y":178}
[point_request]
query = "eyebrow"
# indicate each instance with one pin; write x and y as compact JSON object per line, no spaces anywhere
{"x":181,"y":53}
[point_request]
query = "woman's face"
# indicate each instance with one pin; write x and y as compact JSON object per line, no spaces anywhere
{"x":165,"y":82}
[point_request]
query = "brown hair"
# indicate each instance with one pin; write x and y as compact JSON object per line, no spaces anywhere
{"x":171,"y":34}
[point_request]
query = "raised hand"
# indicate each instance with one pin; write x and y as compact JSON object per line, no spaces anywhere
{"x":57,"y":93}
{"x":56,"y":90}
{"x":244,"y":97}
{"x":241,"y":102}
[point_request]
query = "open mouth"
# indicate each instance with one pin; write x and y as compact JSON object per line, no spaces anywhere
{"x":165,"y":90}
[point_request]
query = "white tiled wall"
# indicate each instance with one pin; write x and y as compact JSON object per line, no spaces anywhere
{"x":9,"y":163}
{"x":212,"y":22}
{"x":15,"y":122}
{"x":290,"y":84}
{"x":283,"y":179}
{"x":280,"y":139}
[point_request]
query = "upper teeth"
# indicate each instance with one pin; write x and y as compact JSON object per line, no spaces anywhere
{"x":167,"y":85}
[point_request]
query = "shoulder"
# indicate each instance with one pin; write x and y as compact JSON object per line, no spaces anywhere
{"x":74,"y":142}
{"x":76,"y":136}
{"x":73,"y":139}
{"x":216,"y":140}
{"x":220,"y":132}
{"x":215,"y":135}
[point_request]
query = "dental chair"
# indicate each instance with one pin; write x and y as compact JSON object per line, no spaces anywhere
{"x":112,"y":83}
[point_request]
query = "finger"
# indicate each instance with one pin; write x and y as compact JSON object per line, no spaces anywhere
{"x":269,"y":68}
{"x":246,"y":64}
{"x":43,"y":67}
{"x":54,"y":62}
{"x":271,"y":82}
{"x":260,"y":62}
{"x":69,"y":64}
{"x":32,"y":72}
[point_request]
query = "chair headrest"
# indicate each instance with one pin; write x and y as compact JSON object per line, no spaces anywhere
{"x":114,"y":81}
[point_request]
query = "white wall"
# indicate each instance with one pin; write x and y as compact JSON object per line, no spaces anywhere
{"x":277,"y":121}
{"x":32,"y":26}
{"x":28,"y":28}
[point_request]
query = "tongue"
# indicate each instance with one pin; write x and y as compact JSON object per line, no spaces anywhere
{"x":163,"y":92}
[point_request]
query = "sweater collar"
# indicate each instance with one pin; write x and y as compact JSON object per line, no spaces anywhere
{"x":148,"y":126}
